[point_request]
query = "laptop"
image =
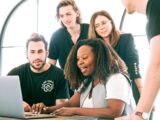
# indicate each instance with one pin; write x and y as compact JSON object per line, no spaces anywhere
{"x":11,"y":102}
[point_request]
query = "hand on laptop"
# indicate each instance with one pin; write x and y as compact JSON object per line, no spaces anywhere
{"x":48,"y":110}
{"x":38,"y":108}
{"x":27,"y":107}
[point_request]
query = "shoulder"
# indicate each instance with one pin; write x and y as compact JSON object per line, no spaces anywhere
{"x":118,"y":79}
{"x":118,"y":87}
{"x":116,"y":76}
{"x":20,"y":68}
{"x":58,"y":36}
{"x":59,"y":33}
{"x":84,"y":26}
{"x":56,"y":69}
{"x":126,"y":36}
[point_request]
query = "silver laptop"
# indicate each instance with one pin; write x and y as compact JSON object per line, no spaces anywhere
{"x":11,"y":103}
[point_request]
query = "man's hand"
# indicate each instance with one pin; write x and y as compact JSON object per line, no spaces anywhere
{"x":38,"y":108}
{"x":129,"y":117}
{"x":26,"y":106}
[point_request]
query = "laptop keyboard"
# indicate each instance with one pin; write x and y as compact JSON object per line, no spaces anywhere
{"x":32,"y":115}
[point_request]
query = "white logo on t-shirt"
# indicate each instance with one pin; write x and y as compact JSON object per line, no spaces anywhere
{"x":47,"y":86}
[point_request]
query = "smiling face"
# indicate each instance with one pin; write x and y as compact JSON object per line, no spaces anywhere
{"x":68,"y":16}
{"x":85,"y":60}
{"x":103,"y":26}
{"x":36,"y":55}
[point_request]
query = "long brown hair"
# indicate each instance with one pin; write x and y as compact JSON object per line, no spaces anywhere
{"x":115,"y":34}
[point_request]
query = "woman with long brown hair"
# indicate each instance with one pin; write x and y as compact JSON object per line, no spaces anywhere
{"x":102,"y":26}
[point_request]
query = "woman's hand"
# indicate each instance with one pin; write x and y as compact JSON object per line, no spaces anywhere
{"x":65,"y":111}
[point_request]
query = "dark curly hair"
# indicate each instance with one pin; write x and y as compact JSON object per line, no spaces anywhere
{"x":107,"y":62}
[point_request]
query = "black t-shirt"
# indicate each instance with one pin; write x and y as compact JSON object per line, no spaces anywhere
{"x":43,"y":87}
{"x":61,"y":44}
{"x":153,"y":15}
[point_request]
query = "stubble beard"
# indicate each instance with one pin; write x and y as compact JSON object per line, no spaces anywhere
{"x":38,"y":68}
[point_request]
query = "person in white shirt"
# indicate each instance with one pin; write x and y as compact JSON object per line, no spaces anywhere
{"x":97,"y":73}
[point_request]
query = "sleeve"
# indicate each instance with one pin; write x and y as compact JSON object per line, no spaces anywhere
{"x":153,"y":24}
{"x":53,"y":47}
{"x":63,"y":90}
{"x":14,"y":71}
{"x":118,"y":87}
{"x":17,"y":71}
{"x":132,"y":58}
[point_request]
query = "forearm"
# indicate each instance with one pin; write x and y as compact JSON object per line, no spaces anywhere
{"x":139,"y":84}
{"x":150,"y":90}
{"x":52,"y":61}
{"x":60,"y":101}
{"x":72,"y":102}
{"x":152,"y":81}
{"x":58,"y":106}
{"x":97,"y":112}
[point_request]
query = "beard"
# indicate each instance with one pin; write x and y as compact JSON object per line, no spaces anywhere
{"x":39,"y":67}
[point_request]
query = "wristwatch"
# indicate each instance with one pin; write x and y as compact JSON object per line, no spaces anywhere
{"x":143,"y":115}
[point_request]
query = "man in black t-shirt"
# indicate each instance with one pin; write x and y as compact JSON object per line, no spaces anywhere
{"x":72,"y":30}
{"x":42,"y":84}
{"x":66,"y":37}
{"x":152,"y":80}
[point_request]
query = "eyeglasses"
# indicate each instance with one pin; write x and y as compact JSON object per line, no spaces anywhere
{"x":102,"y":24}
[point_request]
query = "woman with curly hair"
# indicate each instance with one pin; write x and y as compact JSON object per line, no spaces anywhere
{"x":99,"y":77}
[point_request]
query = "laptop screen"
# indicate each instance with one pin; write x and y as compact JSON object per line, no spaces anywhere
{"x":11,"y":104}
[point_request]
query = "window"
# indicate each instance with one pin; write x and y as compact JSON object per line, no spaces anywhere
{"x":39,"y":16}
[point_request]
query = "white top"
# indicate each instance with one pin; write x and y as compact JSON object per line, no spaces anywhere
{"x":116,"y":87}
{"x":88,"y":102}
